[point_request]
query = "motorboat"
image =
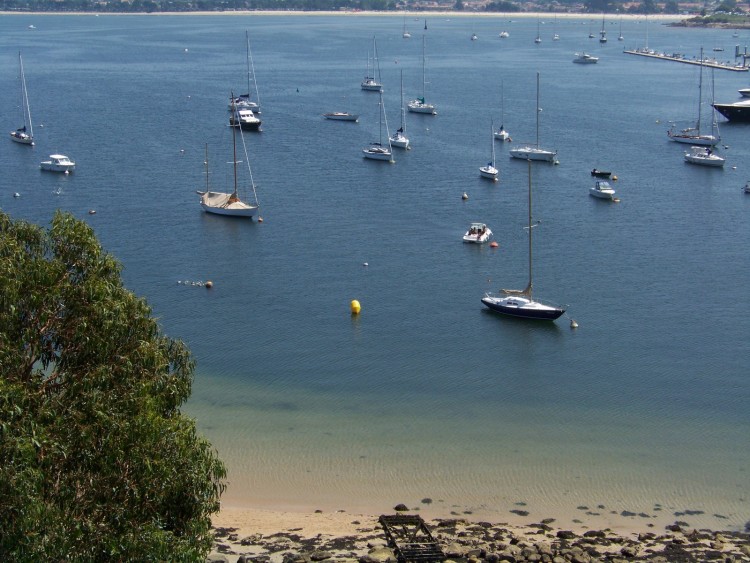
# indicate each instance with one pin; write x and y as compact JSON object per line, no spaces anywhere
{"x":601,"y":173}
{"x":58,"y":163}
{"x":504,"y":35}
{"x":341,"y":116}
{"x":585,"y":59}
{"x":602,"y":189}
{"x":478,"y":233}
{"x":245,"y":119}
{"x":703,"y":156}
{"x":744,"y":92}
{"x":737,"y":111}
{"x":521,"y":303}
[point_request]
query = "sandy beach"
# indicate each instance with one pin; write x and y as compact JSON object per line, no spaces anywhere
{"x":284,"y":537}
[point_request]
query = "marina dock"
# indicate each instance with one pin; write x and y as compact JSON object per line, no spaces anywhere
{"x":708,"y":63}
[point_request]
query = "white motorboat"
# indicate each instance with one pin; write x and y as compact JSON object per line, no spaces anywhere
{"x":534,"y":152}
{"x":244,"y":101}
{"x":245,"y":119}
{"x":341,"y":116}
{"x":369,"y":83}
{"x":703,"y":156}
{"x":419,"y":105}
{"x":376,"y":150}
{"x":58,"y":163}
{"x":520,"y":303}
{"x":697,"y":134}
{"x":230,"y":203}
{"x":504,"y":35}
{"x":25,"y":134}
{"x":478,"y":233}
{"x":585,"y":59}
{"x":602,"y":189}
{"x":399,"y":138}
{"x":490,"y":171}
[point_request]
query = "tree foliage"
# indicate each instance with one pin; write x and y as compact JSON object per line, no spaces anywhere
{"x":96,"y":459}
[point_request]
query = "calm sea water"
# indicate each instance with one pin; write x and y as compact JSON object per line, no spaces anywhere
{"x":643,"y":408}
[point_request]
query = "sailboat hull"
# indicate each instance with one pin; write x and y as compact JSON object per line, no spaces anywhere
{"x":377,"y":154}
{"x":22,"y":138}
{"x":523,"y":308}
{"x":694,"y":140}
{"x":220,"y":203}
{"x":399,"y":141}
{"x":533,"y":153}
{"x":489,"y":172}
{"x":417,"y":107}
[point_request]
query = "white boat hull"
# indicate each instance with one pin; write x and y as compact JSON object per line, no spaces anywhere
{"x":602,"y":194}
{"x":502,"y":135}
{"x":479,"y":237}
{"x":418,"y":107}
{"x":533,"y":153}
{"x":58,"y":163}
{"x":22,"y":138}
{"x":400,"y":141}
{"x":377,"y":154}
{"x":716,"y":161}
{"x":372,"y":86}
{"x":341,"y":116}
{"x":220,"y":203}
{"x":695,"y":140}
{"x":489,"y":172}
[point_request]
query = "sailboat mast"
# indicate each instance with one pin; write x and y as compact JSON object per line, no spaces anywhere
{"x":251,"y":69}
{"x":530,"y":287}
{"x":700,"y":96}
{"x":25,"y":100}
{"x":403,"y":109}
{"x":538,"y":109}
{"x":424,"y":78}
{"x":234,"y":146}
{"x":206,"y":166}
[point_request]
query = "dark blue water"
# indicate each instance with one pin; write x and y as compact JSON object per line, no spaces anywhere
{"x":425,"y":394}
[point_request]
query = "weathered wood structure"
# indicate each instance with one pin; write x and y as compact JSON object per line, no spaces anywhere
{"x":410,"y":539}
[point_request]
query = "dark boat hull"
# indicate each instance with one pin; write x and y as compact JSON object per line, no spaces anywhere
{"x":547,"y":314}
{"x":739,"y":113}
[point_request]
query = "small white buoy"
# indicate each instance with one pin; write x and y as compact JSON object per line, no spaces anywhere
{"x":573,"y":323}
{"x":465,"y":196}
{"x":734,"y":168}
{"x":186,"y":49}
{"x":365,"y":264}
{"x":67,"y":172}
{"x":92,"y":211}
{"x":16,"y":194}
{"x":556,"y":162}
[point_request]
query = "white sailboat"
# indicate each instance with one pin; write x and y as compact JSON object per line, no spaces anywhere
{"x":244,"y":101}
{"x":501,"y":134}
{"x":399,"y":138}
{"x":521,"y":303}
{"x":603,"y":33}
{"x":490,"y":171}
{"x":230,"y":204}
{"x":24,"y":134}
{"x":419,"y":105}
{"x":405,"y":34}
{"x":538,"y":34}
{"x":376,"y":150}
{"x":693,"y":135}
{"x":370,"y":83}
{"x":534,"y":152}
{"x":620,"y":37}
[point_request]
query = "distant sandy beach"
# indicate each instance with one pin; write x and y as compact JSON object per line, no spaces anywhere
{"x":419,"y":15}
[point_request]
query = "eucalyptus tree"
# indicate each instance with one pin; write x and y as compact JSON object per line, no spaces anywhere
{"x":97,"y":461}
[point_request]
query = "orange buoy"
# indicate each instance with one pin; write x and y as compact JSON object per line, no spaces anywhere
{"x":494,"y":244}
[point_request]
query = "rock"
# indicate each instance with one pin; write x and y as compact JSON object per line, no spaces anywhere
{"x":453,"y":550}
{"x":630,"y":551}
{"x":381,"y":555}
{"x":217,"y":558}
{"x":400,"y":507}
{"x":320,"y":555}
{"x":251,"y":540}
{"x":566,"y":535}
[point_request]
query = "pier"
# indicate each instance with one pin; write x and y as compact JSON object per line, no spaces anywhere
{"x":708,"y":63}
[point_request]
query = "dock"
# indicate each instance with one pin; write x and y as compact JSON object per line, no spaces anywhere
{"x":410,"y":539}
{"x":678,"y":58}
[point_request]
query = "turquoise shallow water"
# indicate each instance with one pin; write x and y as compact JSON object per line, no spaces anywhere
{"x":425,"y":394}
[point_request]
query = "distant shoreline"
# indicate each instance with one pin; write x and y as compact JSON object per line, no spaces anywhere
{"x":419,"y":15}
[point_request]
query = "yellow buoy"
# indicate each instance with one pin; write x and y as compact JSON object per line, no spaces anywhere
{"x":355,"y":307}
{"x":614,"y":178}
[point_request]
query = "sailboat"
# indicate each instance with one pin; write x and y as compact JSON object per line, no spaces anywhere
{"x":603,"y":33}
{"x":489,"y":170}
{"x":501,"y":134}
{"x":399,"y":138}
{"x":376,"y":150}
{"x":24,"y":134}
{"x":369,"y":83}
{"x":521,"y":303}
{"x":534,"y":152}
{"x":620,"y":37}
{"x":244,"y":101}
{"x":693,"y":135}
{"x":419,"y":105}
{"x":221,"y":203}
{"x":538,"y":35}
{"x":555,"y":36}
{"x":405,"y":34}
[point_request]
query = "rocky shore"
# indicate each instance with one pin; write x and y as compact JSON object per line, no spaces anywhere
{"x":362,"y":540}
